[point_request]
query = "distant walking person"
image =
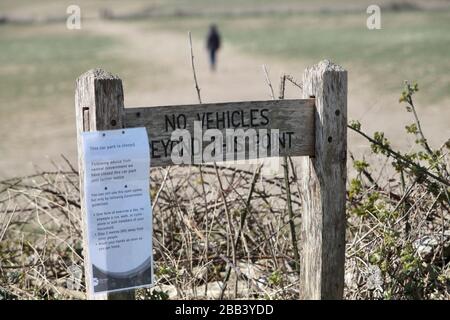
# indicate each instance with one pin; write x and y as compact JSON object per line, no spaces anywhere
{"x":213,"y":44}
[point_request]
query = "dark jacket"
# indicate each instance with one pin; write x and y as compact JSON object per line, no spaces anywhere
{"x":213,"y":40}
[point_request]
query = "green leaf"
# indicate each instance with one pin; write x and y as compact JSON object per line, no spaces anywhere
{"x":355,"y":124}
{"x":412,"y":129}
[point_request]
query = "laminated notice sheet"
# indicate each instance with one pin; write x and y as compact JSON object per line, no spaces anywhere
{"x":118,"y":210}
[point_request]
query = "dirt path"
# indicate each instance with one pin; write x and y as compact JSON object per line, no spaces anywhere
{"x":238,"y":77}
{"x":163,"y":76}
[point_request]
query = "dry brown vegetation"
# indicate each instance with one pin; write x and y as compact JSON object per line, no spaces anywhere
{"x":199,"y":233}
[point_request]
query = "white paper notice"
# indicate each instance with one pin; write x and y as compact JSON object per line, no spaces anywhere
{"x":117,"y":199}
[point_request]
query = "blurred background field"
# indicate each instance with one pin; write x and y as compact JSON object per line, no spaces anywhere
{"x":145,"y":43}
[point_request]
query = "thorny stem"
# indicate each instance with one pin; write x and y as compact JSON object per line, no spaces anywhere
{"x":399,"y":156}
{"x":419,"y":127}
{"x":228,"y":217}
{"x":197,"y":88}
{"x":272,"y":95}
{"x":288,"y":191}
{"x":241,"y":227}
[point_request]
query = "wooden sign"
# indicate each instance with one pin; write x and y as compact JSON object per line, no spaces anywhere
{"x":315,"y":128}
{"x":292,"y":120}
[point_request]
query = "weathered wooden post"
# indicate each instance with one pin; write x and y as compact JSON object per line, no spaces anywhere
{"x":99,"y":106}
{"x":324,"y":185}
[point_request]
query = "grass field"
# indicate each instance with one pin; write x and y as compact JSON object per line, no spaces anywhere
{"x":40,"y":66}
{"x":54,"y":6}
{"x":411,"y":45}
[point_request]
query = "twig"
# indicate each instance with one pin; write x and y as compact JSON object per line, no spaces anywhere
{"x":228,"y":216}
{"x":197,"y":88}
{"x":419,"y":127}
{"x":241,"y":225}
{"x":293,"y":81}
{"x":288,"y":194}
{"x":160,"y":188}
{"x":399,"y":156}
{"x":268,"y":81}
{"x":69,"y":164}
{"x":282,"y":87}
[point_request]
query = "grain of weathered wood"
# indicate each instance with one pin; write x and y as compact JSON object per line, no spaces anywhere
{"x":99,"y":106}
{"x":323,"y":185}
{"x":295,"y":116}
